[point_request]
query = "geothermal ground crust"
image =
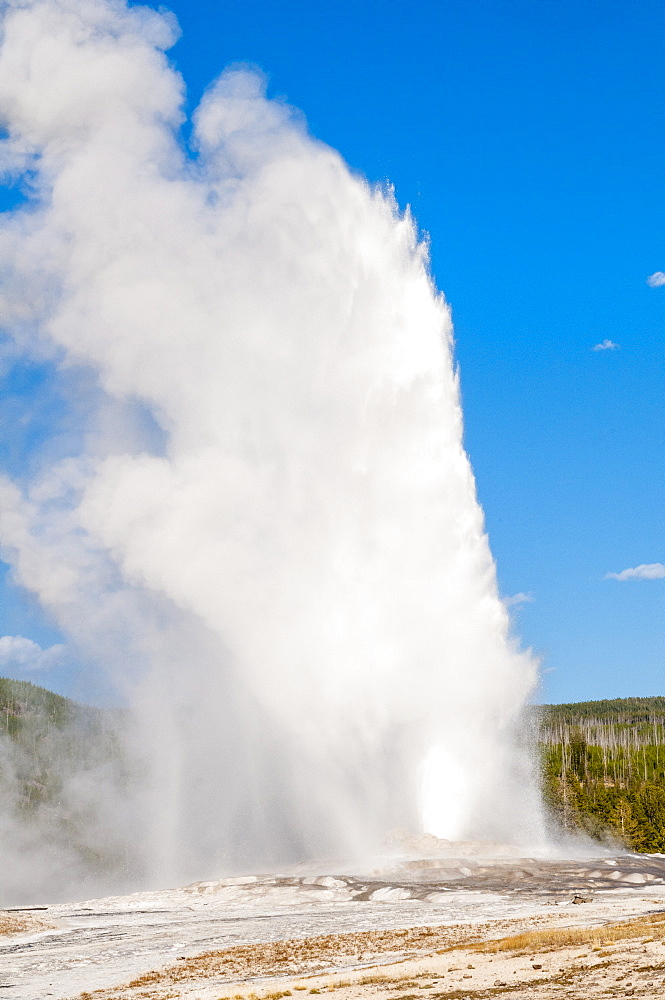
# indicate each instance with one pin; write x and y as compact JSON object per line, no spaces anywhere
{"x":359,"y":934}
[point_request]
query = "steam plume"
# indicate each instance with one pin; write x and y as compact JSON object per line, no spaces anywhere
{"x":259,"y":522}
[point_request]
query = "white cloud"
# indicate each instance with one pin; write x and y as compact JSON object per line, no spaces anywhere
{"x":646,"y":571}
{"x":606,"y":345}
{"x":21,"y":652}
{"x":656,"y":279}
{"x":520,"y":598}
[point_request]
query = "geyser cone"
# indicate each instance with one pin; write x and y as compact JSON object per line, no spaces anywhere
{"x":261,"y":522}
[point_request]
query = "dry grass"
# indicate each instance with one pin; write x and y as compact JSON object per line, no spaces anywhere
{"x":299,"y":956}
{"x":309,"y":954}
{"x":21,"y":923}
{"x":385,"y":950}
{"x":649,"y":928}
{"x":316,"y":955}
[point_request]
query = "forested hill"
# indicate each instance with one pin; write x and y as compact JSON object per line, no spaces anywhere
{"x":26,"y":706}
{"x":64,"y":778}
{"x":604,"y":768}
{"x":624,"y":711}
{"x":45,"y":740}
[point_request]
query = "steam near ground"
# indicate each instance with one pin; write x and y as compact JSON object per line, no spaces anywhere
{"x":256,"y":519}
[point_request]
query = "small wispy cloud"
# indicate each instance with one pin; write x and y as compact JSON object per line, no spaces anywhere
{"x":518,"y":599}
{"x":606,"y":345}
{"x":17,"y":651}
{"x":656,"y":279}
{"x":646,"y":571}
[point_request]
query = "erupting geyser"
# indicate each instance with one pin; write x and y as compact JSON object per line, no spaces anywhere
{"x":257,"y":518}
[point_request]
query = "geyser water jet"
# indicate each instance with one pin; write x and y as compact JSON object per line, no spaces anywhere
{"x":258,"y":521}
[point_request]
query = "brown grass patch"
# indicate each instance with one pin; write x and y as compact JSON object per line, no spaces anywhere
{"x":309,"y":954}
{"x":300,"y":956}
{"x":325,"y":953}
{"x":650,"y":928}
{"x":21,"y":923}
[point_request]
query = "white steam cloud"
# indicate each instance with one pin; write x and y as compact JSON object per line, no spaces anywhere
{"x":263,"y":526}
{"x":656,"y":280}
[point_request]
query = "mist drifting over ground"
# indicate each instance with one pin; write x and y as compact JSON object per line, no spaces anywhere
{"x":258,"y":521}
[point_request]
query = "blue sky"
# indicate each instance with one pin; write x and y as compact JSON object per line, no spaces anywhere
{"x":527,"y":137}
